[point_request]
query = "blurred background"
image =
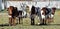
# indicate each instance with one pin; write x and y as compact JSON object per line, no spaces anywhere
{"x":6,"y":3}
{"x":4,"y":19}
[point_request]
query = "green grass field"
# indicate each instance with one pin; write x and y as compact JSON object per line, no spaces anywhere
{"x":26,"y":22}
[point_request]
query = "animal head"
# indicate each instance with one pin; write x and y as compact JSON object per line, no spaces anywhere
{"x":10,"y":9}
{"x":43,"y":10}
{"x":53,"y":12}
{"x":33,"y":10}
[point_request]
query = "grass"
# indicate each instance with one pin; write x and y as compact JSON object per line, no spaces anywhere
{"x":26,"y":22}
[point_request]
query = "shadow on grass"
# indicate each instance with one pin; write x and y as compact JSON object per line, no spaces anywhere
{"x":49,"y":25}
{"x":2,"y":25}
{"x":54,"y":24}
{"x":44,"y":25}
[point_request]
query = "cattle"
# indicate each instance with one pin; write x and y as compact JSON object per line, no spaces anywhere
{"x":13,"y":13}
{"x":43,"y":20}
{"x":32,"y":15}
{"x":20,"y":17}
{"x":10,"y":14}
{"x":39,"y":12}
{"x":50,"y":14}
{"x":47,"y":15}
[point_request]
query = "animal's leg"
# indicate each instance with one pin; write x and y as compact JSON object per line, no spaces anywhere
{"x":50,"y":20}
{"x":45,"y":21}
{"x":19,"y":20}
{"x":13,"y":21}
{"x":41,"y":21}
{"x":10,"y":21}
{"x":32,"y":21}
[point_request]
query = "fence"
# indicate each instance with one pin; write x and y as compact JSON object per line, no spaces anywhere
{"x":30,"y":3}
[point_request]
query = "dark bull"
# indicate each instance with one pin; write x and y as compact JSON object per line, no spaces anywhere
{"x":32,"y":15}
{"x":13,"y":13}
